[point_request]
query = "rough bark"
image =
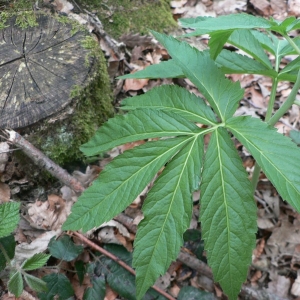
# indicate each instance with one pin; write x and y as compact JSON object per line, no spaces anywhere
{"x":39,"y":68}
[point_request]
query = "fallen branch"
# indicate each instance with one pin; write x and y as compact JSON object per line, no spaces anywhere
{"x":43,"y":161}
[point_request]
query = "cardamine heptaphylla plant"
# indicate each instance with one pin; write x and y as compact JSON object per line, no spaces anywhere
{"x":169,"y":112}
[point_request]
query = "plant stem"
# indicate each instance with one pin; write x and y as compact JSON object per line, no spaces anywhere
{"x":257,"y":168}
{"x":272,"y":99}
{"x":255,"y":176}
{"x":287,"y":104}
{"x":292,"y":43}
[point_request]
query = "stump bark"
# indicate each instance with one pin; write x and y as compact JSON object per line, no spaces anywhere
{"x":39,"y":68}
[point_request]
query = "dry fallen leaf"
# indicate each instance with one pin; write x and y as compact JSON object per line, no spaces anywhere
{"x":262,"y":7}
{"x":4,"y":148}
{"x":134,"y":84}
{"x":63,"y":6}
{"x":178,"y":3}
{"x":4,"y":192}
{"x":225,"y":7}
{"x":40,"y":244}
{"x":50,"y":214}
{"x":110,"y":294}
{"x":295,"y":290}
{"x":294,"y":7}
{"x":279,"y":285}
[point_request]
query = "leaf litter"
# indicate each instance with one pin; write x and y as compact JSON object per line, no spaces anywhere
{"x":276,"y":258}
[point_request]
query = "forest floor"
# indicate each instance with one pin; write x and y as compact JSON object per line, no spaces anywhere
{"x":275,"y":269}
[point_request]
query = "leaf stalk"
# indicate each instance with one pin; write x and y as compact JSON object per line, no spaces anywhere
{"x":292,"y":43}
{"x":272,"y":99}
{"x":287,"y":104}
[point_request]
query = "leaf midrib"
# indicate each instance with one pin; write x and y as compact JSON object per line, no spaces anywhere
{"x":186,"y":71}
{"x":127,"y":107}
{"x":173,"y":197}
{"x":225,"y":200}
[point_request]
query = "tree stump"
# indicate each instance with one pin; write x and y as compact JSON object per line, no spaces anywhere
{"x":39,"y":68}
{"x":54,"y":85}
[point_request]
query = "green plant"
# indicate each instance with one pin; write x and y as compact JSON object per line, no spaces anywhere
{"x":228,"y":210}
{"x":9,"y":216}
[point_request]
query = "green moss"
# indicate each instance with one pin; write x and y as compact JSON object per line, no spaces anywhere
{"x":3,"y":19}
{"x":22,"y":9}
{"x":26,"y":19}
{"x":66,"y":20}
{"x":138,"y":16}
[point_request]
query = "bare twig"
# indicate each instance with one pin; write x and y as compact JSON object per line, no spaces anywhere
{"x":117,"y":260}
{"x":44,"y":162}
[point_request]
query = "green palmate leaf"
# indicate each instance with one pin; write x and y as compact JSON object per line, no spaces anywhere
{"x":228,"y":213}
{"x":174,"y":99}
{"x":295,"y":136}
{"x":8,"y":244}
{"x":233,"y":63}
{"x":228,"y":22}
{"x":165,"y":69}
{"x":217,"y":41}
{"x":267,"y":40}
{"x":35,"y":262}
{"x":246,"y":41}
{"x":58,"y":287}
{"x":276,"y":154}
{"x":167,"y":214}
{"x":9,"y":218}
{"x":192,"y":293}
{"x":64,"y":248}
{"x":293,"y":26}
{"x":80,"y":270}
{"x":291,"y":76}
{"x":97,"y":291}
{"x":186,"y":22}
{"x":121,"y":182}
{"x":35,"y":283}
{"x":15,"y":284}
{"x":222,"y":94}
{"x":282,"y":27}
{"x":137,"y":125}
{"x":276,"y":46}
{"x":120,"y":252}
{"x":119,"y":279}
{"x":293,"y":65}
{"x":285,"y":48}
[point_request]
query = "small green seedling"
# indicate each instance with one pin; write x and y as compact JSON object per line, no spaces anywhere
{"x":9,"y":219}
{"x":228,"y":210}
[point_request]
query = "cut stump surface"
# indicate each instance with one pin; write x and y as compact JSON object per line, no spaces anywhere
{"x":39,"y":68}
